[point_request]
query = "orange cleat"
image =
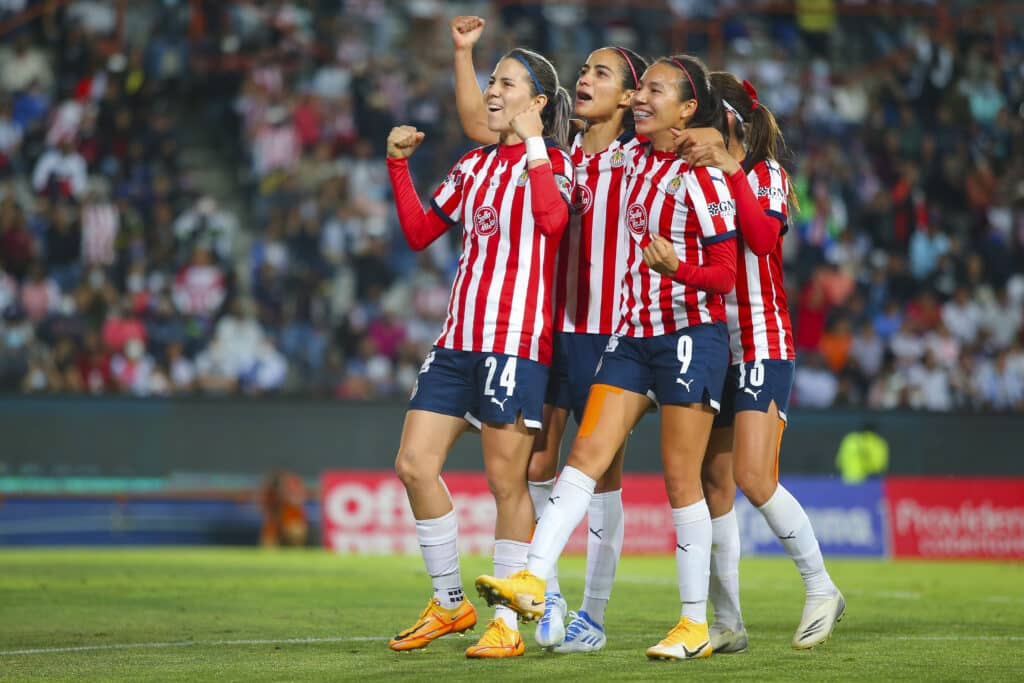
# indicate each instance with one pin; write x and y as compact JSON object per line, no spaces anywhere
{"x":435,"y":621}
{"x":496,"y":642}
{"x":522,"y":591}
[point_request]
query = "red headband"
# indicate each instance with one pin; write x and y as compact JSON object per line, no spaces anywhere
{"x":752,"y":92}
{"x":636,"y":81}
{"x":693,"y":88}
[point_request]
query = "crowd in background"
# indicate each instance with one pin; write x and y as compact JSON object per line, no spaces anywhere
{"x":121,"y":273}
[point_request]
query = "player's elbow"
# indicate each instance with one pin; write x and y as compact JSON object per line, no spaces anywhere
{"x":761,"y":247}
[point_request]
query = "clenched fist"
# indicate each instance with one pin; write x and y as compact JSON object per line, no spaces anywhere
{"x":403,"y":141}
{"x":527,"y":123}
{"x":660,"y":256}
{"x":466,"y":31}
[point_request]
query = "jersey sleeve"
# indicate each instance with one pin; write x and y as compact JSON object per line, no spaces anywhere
{"x":710,"y":198}
{"x":447,"y":201}
{"x":561,"y":167}
{"x":770,"y":184}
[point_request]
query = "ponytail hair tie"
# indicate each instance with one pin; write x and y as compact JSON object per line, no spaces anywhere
{"x":752,"y":92}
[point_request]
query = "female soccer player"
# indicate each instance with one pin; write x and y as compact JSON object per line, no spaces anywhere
{"x":490,"y":364}
{"x":591,"y":265}
{"x":748,"y":431}
{"x":672,"y":342}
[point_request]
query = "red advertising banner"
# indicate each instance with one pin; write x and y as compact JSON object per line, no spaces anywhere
{"x":961,"y":518}
{"x":367,"y":512}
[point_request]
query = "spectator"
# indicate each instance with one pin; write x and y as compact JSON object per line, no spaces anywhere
{"x":206,"y":225}
{"x":60,"y":172}
{"x":200,"y":287}
{"x":813,"y":385}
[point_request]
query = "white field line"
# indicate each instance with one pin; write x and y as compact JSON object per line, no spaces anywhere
{"x":189,"y":643}
{"x":354,"y":639}
{"x":754,"y":584}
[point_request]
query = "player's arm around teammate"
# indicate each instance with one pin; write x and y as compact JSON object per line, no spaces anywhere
{"x":490,"y":363}
{"x":672,"y":346}
{"x":744,"y":446}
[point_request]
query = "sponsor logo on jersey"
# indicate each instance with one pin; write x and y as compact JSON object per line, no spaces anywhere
{"x":583,"y":199}
{"x":636,"y":219}
{"x":773,"y":192}
{"x":725,"y":208}
{"x":485,"y":221}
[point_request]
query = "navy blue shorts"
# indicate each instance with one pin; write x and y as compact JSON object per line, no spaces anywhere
{"x":481,"y":387}
{"x":684,"y":367}
{"x":574,"y":362}
{"x":753,"y":386}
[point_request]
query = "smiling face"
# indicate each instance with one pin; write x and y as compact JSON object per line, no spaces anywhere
{"x":599,"y":91}
{"x":509,"y":92}
{"x":657,"y":107}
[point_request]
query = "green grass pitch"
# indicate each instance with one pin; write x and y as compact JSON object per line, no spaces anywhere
{"x":174,"y":614}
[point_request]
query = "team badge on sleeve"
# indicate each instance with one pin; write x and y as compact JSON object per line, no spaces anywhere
{"x":564,"y":184}
{"x":455,"y":177}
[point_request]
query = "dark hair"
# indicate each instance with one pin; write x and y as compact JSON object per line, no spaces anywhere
{"x":695,"y":85}
{"x":759,"y":131}
{"x":633,"y":66}
{"x":556,"y":113}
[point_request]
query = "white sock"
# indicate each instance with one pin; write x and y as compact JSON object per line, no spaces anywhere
{"x":437,"y":538}
{"x":509,"y":558}
{"x":693,"y":558}
{"x":566,"y":507}
{"x":790,"y":524}
{"x":540,"y":491}
{"x":724,"y":585}
{"x":605,"y":527}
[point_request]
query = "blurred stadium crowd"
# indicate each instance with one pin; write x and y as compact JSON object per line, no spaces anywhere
{"x":122,"y":270}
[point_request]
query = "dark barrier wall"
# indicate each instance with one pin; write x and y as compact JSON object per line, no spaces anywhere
{"x":134,"y":437}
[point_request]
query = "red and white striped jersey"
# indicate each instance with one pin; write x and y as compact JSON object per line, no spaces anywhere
{"x":100,"y":224}
{"x":501,"y":297}
{"x":757,"y":311}
{"x":690,"y":207}
{"x":592,"y":257}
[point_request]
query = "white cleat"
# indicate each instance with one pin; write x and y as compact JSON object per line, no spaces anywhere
{"x":726,"y":641}
{"x":551,"y":627}
{"x":582,"y":635}
{"x":817,"y":626}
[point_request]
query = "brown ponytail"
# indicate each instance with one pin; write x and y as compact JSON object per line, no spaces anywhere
{"x":758,"y":131}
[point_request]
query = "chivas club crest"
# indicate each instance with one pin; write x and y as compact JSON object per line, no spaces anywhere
{"x":618,"y":158}
{"x":523,"y":177}
{"x":674,"y":184}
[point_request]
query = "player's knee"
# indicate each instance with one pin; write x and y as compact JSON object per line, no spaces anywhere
{"x":756,"y":486}
{"x":541,"y":468}
{"x":506,"y":489}
{"x":719,"y":494}
{"x":411,"y":469}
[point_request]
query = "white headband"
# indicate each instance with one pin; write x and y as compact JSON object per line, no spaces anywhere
{"x":733,"y":110}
